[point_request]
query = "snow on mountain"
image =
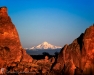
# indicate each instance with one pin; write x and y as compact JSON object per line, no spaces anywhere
{"x":45,"y":45}
{"x":25,"y":48}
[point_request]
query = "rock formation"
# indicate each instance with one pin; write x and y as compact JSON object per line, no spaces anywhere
{"x":77,"y":58}
{"x":11,"y":51}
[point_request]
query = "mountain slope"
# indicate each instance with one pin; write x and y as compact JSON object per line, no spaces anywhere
{"x":45,"y":45}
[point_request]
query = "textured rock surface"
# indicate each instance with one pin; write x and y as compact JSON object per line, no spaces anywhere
{"x":78,"y":57}
{"x":11,"y":51}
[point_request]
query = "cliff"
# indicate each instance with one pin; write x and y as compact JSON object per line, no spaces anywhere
{"x":11,"y":51}
{"x":77,"y":58}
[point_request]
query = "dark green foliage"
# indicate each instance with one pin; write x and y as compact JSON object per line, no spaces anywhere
{"x":45,"y":53}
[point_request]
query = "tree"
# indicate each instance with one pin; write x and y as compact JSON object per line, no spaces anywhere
{"x":45,"y":53}
{"x":56,"y":54}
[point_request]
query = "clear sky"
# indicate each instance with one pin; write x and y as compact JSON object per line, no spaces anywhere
{"x":58,"y":22}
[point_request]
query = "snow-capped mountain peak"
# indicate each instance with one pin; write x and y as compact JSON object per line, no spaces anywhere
{"x":45,"y":45}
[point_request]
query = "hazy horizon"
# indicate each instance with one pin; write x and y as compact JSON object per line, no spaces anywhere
{"x":58,"y":22}
{"x":41,"y":51}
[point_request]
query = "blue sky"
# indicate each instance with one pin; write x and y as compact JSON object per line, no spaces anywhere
{"x":58,"y":22}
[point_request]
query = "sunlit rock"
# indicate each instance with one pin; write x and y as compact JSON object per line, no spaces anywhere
{"x":11,"y":51}
{"x":77,"y":57}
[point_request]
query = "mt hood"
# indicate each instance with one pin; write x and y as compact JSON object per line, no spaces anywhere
{"x":45,"y":45}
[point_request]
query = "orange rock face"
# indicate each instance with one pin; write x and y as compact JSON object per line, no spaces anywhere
{"x":78,"y":57}
{"x":11,"y":50}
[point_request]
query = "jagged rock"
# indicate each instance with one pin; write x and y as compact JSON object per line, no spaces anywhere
{"x":78,"y":57}
{"x":42,"y":66}
{"x":52,"y":60}
{"x":11,"y":51}
{"x":26,"y":70}
{"x":46,"y":59}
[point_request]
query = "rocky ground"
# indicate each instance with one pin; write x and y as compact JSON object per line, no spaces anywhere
{"x":40,"y":67}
